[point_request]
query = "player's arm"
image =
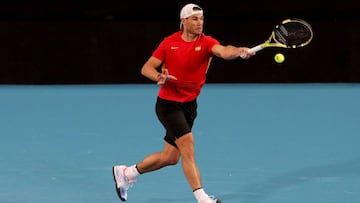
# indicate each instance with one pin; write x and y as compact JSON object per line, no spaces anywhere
{"x":150,"y":71}
{"x":231,"y":52}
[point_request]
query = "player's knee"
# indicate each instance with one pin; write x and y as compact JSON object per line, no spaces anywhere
{"x":171,"y":160}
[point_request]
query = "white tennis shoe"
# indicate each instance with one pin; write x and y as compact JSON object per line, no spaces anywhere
{"x":122,"y":183}
{"x":209,"y":199}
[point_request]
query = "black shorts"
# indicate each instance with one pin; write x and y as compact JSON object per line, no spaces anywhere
{"x":177,"y":118}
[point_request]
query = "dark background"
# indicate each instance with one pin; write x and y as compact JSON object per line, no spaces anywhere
{"x":107,"y":41}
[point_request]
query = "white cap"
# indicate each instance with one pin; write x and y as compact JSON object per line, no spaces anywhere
{"x":188,"y":10}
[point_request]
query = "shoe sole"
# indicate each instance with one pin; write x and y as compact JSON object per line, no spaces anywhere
{"x":116,"y":188}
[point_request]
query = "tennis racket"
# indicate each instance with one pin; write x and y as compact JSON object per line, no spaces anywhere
{"x":290,"y":33}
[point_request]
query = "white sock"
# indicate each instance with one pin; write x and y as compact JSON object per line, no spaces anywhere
{"x":199,"y":193}
{"x":131,"y":172}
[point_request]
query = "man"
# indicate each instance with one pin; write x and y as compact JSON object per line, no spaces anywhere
{"x":185,"y":57}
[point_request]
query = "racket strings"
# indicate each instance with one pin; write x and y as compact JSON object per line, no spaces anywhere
{"x":293,"y":34}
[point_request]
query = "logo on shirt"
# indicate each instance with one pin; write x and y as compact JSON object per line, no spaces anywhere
{"x":173,"y":48}
{"x":198,"y":48}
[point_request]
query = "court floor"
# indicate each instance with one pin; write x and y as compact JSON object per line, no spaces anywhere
{"x":264,"y":143}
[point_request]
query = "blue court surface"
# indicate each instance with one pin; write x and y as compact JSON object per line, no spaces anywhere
{"x":255,"y":143}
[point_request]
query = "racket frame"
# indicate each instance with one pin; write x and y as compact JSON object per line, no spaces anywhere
{"x":272,"y":42}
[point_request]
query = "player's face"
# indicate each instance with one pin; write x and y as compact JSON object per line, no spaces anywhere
{"x":194,"y":24}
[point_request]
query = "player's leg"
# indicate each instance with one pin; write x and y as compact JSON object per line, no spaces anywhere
{"x":124,"y":176}
{"x":186,"y":147}
{"x":169,"y":156}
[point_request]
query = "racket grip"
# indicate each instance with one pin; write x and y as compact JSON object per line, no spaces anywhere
{"x":256,"y":48}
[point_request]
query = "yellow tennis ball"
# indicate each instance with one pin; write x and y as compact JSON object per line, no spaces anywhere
{"x":279,"y":58}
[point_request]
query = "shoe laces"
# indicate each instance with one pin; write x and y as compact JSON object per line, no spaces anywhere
{"x":128,"y":180}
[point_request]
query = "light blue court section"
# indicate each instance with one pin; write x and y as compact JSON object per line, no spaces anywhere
{"x":254,"y":143}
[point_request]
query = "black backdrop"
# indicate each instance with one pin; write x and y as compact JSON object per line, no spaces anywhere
{"x":106,"y":42}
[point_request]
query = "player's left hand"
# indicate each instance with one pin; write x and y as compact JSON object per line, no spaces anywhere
{"x":165,"y":76}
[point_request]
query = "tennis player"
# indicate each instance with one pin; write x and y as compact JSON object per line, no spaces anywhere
{"x":185,"y":56}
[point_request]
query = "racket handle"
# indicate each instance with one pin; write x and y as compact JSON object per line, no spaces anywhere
{"x":256,"y":48}
{"x":253,"y":50}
